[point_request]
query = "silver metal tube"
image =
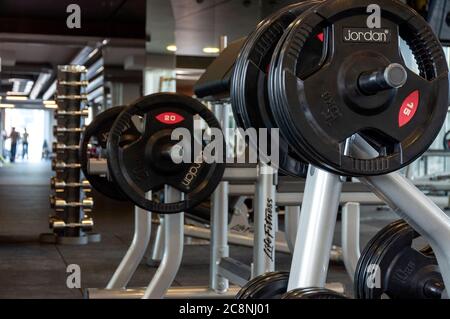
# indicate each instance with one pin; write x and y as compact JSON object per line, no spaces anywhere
{"x":219,"y":213}
{"x":315,"y":231}
{"x":158,"y":244}
{"x":240,"y":174}
{"x":191,"y":292}
{"x":97,"y":166}
{"x":415,"y":208}
{"x":173,"y":253}
{"x":232,"y":174}
{"x":350,"y":237}
{"x":264,"y":227}
{"x":294,"y":199}
{"x":219,"y":237}
{"x":291,"y":219}
{"x":247,"y":240}
{"x":134,"y":255}
{"x":234,"y":238}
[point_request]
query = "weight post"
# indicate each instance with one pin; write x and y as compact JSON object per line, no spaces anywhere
{"x":219,"y":214}
{"x":264,"y":216}
{"x":314,"y":240}
{"x":158,"y":245}
{"x":350,"y":226}
{"x":136,"y":251}
{"x":173,"y":253}
{"x":219,"y":237}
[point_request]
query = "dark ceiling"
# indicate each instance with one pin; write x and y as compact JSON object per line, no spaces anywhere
{"x":111,"y":18}
{"x":200,"y":23}
{"x":34,"y":37}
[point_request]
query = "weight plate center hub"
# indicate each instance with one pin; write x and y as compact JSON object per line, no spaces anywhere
{"x":368,"y":82}
{"x":160,"y":152}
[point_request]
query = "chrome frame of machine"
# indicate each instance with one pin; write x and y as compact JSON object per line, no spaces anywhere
{"x":240,"y":181}
{"x":174,"y":235}
{"x":136,"y":251}
{"x":395,"y":189}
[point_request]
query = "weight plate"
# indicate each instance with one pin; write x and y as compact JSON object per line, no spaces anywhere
{"x":364,"y":260}
{"x":312,"y":293}
{"x":267,"y":286}
{"x":390,"y":266}
{"x":372,"y":269}
{"x":147,"y":165}
{"x":99,"y":129}
{"x":304,"y":69}
{"x":249,"y":83}
{"x":319,"y":112}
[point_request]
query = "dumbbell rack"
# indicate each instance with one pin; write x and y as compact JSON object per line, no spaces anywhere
{"x":71,"y":198}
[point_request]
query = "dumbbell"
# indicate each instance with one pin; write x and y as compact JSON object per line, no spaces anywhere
{"x":72,"y":87}
{"x":80,"y":97}
{"x":58,"y":184}
{"x":86,"y":223}
{"x":60,"y":204}
{"x":83,"y":112}
{"x":60,"y":165}
{"x":74,"y":83}
{"x":59,"y":147}
{"x":63,"y":130}
{"x":71,"y":73}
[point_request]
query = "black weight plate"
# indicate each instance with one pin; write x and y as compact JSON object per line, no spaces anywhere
{"x":366,"y":259}
{"x":267,"y":286}
{"x":146,"y":165}
{"x":304,"y":69}
{"x":404,"y":272}
{"x":320,"y":111}
{"x":243,"y":291}
{"x":99,"y":128}
{"x":249,"y":83}
{"x":312,"y":293}
{"x":387,"y":250}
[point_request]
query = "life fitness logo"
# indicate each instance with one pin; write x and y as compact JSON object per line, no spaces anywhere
{"x":170,"y":118}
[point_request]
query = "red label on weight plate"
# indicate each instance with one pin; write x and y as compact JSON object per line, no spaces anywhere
{"x":321,"y":37}
{"x":408,"y":109}
{"x":170,"y":118}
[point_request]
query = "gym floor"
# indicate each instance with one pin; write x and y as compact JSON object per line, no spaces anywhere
{"x":29,"y":269}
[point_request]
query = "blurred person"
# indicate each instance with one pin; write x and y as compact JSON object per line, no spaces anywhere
{"x":45,"y":150}
{"x":25,"y":144}
{"x":15,"y":137}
